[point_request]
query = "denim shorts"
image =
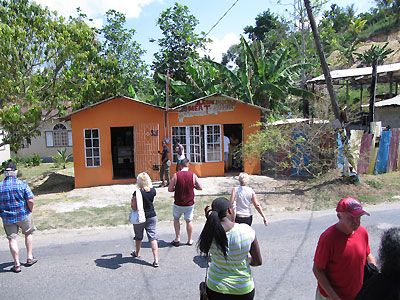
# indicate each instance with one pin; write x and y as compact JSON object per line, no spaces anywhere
{"x":150,"y":226}
{"x":26,"y":225}
{"x":187,"y":211}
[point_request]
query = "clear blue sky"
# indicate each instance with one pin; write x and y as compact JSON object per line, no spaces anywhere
{"x":142,"y":16}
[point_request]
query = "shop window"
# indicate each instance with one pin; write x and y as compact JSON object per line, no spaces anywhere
{"x":213,"y":143}
{"x":92,"y":147}
{"x":201,"y":142}
{"x":59,"y":137}
{"x":178,"y":133}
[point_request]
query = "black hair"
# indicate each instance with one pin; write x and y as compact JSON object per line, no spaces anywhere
{"x":213,"y":229}
{"x":389,"y":252}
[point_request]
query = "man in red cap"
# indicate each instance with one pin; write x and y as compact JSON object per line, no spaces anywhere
{"x":342,"y":251}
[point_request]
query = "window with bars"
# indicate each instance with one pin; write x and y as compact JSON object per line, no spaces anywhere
{"x":92,"y":147}
{"x":202,"y":143}
{"x":59,"y":137}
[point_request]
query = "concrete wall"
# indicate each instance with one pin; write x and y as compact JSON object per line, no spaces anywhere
{"x":388,"y":115}
{"x":38,"y":145}
{"x":4,"y":151}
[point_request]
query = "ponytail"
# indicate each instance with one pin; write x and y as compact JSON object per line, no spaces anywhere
{"x":213,"y":230}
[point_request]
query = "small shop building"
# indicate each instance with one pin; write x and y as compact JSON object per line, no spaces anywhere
{"x":116,"y":139}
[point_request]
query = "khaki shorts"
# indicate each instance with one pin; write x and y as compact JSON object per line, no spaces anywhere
{"x":26,"y":226}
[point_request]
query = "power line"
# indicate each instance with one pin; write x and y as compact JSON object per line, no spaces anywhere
{"x":221,"y":18}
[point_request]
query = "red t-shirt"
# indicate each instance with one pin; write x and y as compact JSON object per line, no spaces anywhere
{"x":343,"y":258}
{"x":184,"y":193}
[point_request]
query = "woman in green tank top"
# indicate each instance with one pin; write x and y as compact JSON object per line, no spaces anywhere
{"x":229,"y":245}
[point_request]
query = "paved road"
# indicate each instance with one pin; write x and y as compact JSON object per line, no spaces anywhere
{"x":95,"y":264}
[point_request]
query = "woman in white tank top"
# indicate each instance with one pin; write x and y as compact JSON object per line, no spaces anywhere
{"x":241,"y":199}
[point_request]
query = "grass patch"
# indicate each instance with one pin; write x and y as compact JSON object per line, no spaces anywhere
{"x":112,"y":215}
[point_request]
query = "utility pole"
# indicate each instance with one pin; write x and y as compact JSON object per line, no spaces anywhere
{"x":324,"y":65}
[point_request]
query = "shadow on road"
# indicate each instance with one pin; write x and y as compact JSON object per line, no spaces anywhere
{"x":3,"y":267}
{"x":161,"y":244}
{"x":116,"y":260}
{"x":201,"y":261}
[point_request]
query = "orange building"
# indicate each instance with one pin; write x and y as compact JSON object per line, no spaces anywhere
{"x":116,"y":139}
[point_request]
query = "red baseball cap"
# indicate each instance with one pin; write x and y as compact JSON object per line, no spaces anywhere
{"x":352,"y":206}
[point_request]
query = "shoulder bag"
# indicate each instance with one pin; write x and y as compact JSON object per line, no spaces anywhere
{"x":137,"y":216}
{"x":203,"y":285}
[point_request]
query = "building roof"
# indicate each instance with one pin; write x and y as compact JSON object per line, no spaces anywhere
{"x":68,"y":116}
{"x":362,"y":75}
{"x":218,"y":95}
{"x":388,"y":102}
{"x":296,"y":121}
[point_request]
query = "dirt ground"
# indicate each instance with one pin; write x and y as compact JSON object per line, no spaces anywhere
{"x":102,"y":196}
{"x":275,"y":195}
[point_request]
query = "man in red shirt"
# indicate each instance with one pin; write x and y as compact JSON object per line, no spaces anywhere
{"x":183,"y":184}
{"x":342,"y":251}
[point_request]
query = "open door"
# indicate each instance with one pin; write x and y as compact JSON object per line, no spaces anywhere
{"x":235,"y":134}
{"x":122,"y":146}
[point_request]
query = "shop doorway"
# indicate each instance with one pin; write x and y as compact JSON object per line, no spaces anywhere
{"x":235,"y":134}
{"x":122,"y":149}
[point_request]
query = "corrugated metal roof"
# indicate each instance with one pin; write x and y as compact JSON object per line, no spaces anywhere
{"x":362,"y":75}
{"x":388,"y":102}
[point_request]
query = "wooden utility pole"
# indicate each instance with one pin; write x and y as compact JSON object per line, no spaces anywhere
{"x":324,"y":65}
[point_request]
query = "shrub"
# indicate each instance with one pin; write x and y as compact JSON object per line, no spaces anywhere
{"x":61,"y":158}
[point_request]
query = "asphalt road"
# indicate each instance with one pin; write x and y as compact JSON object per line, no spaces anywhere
{"x":95,"y":264}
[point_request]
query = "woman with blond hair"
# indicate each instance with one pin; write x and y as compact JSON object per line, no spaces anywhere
{"x":241,"y":199}
{"x":148,"y":193}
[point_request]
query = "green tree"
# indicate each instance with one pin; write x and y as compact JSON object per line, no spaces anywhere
{"x":266,"y":23}
{"x":269,"y":28}
{"x":179,"y":42}
{"x":118,"y":68}
{"x":203,"y":79}
{"x":123,"y":55}
{"x":264,"y":79}
{"x":44,"y":61}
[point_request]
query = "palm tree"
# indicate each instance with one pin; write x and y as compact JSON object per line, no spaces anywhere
{"x":373,"y":57}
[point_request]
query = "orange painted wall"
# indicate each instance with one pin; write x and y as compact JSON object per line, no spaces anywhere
{"x":119,"y":112}
{"x":242,"y":114}
{"x":123,"y":112}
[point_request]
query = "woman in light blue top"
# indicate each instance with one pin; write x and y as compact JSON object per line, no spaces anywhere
{"x":229,"y":245}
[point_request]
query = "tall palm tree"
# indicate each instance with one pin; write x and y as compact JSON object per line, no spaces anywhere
{"x":373,"y":57}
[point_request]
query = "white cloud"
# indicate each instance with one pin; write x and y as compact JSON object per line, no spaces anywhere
{"x":96,"y":8}
{"x":217,"y":47}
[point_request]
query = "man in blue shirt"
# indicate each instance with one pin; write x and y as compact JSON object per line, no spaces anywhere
{"x":16,"y":205}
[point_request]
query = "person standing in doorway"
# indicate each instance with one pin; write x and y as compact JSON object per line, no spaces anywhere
{"x":183,"y":184}
{"x":342,"y":251}
{"x":180,"y":152}
{"x":165,"y":164}
{"x":16,"y":206}
{"x":226,"y":152}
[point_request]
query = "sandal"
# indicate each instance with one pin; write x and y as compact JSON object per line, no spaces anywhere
{"x":189,"y":243}
{"x":16,"y":269}
{"x":175,"y":243}
{"x":156,"y":264}
{"x":31,"y":262}
{"x":133,"y":253}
